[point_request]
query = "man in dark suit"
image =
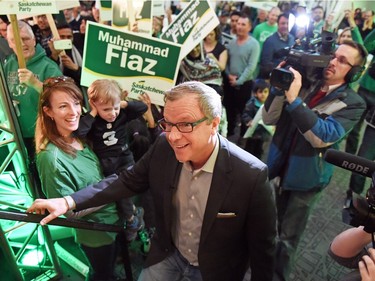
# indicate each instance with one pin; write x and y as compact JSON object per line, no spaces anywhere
{"x":214,"y":209}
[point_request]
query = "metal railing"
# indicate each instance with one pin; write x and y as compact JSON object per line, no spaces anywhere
{"x":74,"y":223}
{"x":17,"y":189}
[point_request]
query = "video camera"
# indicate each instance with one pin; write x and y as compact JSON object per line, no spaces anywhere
{"x":361,"y":210}
{"x":308,"y":57}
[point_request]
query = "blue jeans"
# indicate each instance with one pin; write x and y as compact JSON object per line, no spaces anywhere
{"x":173,"y":268}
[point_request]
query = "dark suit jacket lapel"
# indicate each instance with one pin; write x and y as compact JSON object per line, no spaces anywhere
{"x":221,"y":183}
{"x":173,"y":173}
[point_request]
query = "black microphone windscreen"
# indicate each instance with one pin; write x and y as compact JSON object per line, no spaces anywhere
{"x":350,"y":162}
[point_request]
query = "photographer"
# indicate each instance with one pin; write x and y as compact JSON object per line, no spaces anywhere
{"x":351,"y":249}
{"x":308,"y":121}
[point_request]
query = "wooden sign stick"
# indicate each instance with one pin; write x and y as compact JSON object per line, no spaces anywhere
{"x":131,"y":15}
{"x":53,"y":27}
{"x":17,"y":40}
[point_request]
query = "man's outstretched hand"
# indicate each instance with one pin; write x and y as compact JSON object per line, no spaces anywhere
{"x":56,"y":207}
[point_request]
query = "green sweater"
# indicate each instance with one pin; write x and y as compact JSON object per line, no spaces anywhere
{"x":27,"y":97}
{"x":62,"y":174}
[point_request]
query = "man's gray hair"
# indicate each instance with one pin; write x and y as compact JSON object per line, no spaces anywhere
{"x":209,"y":100}
{"x":22,"y":26}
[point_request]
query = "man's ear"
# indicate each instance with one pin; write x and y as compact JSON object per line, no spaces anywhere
{"x":215,"y":124}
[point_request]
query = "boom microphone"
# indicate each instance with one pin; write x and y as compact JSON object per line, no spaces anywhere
{"x":350,"y":162}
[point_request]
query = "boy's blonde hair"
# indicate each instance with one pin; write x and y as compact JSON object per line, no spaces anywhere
{"x":105,"y":90}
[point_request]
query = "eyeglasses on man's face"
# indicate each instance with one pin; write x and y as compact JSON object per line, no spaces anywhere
{"x":341,"y":60}
{"x":53,"y":81}
{"x":183,"y":127}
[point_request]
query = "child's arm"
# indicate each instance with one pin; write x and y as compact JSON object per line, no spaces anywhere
{"x":145,"y":98}
{"x":85,"y":125}
{"x":86,"y":121}
{"x":135,"y":109}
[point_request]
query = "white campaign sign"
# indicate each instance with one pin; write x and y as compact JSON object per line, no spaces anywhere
{"x":28,"y":7}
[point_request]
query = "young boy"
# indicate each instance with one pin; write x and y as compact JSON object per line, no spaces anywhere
{"x":260,"y":133}
{"x":105,"y":128}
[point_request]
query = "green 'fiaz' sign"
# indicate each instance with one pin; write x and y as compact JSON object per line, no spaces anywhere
{"x":151,"y":63}
{"x":183,"y":25}
{"x":192,"y":24}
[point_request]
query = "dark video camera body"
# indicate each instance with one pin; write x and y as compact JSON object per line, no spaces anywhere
{"x":309,"y":58}
{"x":362,"y":211}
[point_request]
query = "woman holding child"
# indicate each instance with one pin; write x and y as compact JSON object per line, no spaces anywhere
{"x":66,"y":164}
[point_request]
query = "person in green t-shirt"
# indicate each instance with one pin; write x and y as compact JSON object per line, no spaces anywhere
{"x":266,"y":29}
{"x":66,"y":164}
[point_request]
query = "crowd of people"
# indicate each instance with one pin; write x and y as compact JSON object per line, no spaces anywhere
{"x":230,"y":166}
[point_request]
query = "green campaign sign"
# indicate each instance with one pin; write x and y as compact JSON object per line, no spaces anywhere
{"x":125,"y":13}
{"x":192,"y":24}
{"x":139,"y":64}
{"x":106,"y":4}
